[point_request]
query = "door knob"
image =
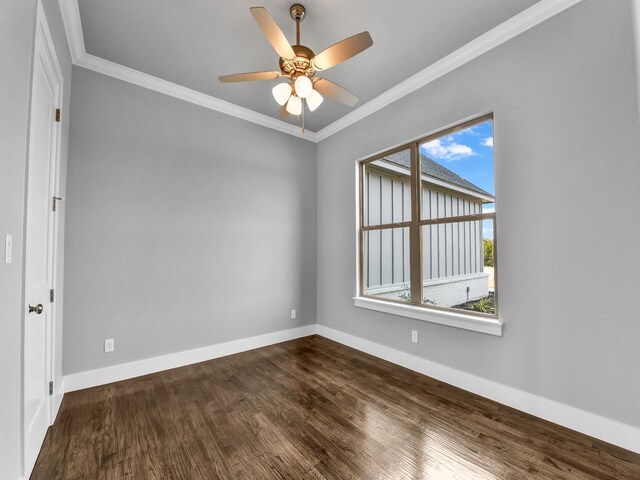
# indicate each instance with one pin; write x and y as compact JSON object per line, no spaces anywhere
{"x":38,"y":308}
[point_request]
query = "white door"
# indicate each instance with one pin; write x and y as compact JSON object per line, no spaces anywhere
{"x":43,"y":147}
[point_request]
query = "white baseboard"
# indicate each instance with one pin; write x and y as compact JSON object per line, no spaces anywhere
{"x":57,"y":401}
{"x":124,"y":371}
{"x":606,"y":429}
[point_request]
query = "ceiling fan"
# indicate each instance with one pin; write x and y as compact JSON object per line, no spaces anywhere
{"x":299,"y":65}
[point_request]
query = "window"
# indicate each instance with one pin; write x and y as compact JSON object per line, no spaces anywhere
{"x":427,"y":223}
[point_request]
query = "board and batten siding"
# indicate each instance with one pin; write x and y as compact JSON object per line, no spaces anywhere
{"x":448,"y":250}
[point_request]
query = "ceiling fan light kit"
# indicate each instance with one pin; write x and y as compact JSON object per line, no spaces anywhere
{"x":303,"y":86}
{"x":294,"y":105}
{"x":314,"y":99}
{"x":281,"y":93}
{"x":299,"y":64}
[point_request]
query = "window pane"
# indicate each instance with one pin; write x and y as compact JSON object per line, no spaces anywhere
{"x":457,"y":172}
{"x":387,"y":189}
{"x":386,"y":264}
{"x":457,"y":261}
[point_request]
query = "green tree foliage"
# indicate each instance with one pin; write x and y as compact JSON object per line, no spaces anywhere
{"x":488,"y":252}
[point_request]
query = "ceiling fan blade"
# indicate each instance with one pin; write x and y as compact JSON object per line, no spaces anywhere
{"x":249,"y":77}
{"x":341,"y":51}
{"x":273,"y":33}
{"x":335,"y":91}
{"x":283,"y":111}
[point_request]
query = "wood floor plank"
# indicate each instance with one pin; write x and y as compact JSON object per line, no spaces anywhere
{"x":310,"y":409}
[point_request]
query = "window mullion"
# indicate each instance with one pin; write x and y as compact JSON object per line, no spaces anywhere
{"x":386,"y":226}
{"x":476,"y":217}
{"x":415,"y":241}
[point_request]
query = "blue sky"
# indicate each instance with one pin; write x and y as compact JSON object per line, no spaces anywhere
{"x":469,"y":153}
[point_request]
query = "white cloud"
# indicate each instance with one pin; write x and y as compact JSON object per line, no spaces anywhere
{"x":447,"y":149}
{"x":467,"y":131}
{"x":488,"y":209}
{"x":488,"y":142}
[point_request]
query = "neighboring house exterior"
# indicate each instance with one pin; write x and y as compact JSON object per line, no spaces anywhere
{"x":453,"y":262}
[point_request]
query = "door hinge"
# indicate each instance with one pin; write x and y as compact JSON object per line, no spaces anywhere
{"x":50,"y":388}
{"x":57,"y":115}
{"x":52,"y":295}
{"x":54,"y":207}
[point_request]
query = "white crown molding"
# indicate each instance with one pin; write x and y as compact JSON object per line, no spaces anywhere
{"x":534,"y":15}
{"x":141,"y":79}
{"x":527,"y":19}
{"x":124,"y":371}
{"x":73,"y":27}
{"x":612,"y":431}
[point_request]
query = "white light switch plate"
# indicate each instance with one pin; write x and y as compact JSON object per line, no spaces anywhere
{"x":293,"y":314}
{"x":109,"y":345}
{"x":8,"y":247}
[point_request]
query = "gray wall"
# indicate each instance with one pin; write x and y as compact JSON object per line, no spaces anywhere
{"x":17,"y":24}
{"x":568,"y":216}
{"x":185,"y":227}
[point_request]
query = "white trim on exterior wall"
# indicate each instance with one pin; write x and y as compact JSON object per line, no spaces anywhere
{"x":529,"y":18}
{"x":124,"y":371}
{"x":606,"y":429}
{"x":402,"y":171}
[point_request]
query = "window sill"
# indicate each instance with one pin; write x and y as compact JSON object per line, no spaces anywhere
{"x":441,"y":317}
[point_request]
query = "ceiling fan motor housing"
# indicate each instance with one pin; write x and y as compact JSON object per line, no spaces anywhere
{"x":300,"y":65}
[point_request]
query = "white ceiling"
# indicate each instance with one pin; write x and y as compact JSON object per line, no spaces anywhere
{"x":192,"y":42}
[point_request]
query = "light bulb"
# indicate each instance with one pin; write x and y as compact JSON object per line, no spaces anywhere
{"x":303,"y":86}
{"x":294,"y":105}
{"x":281,"y":93}
{"x":314,"y":99}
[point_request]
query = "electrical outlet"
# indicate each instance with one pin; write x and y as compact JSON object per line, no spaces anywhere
{"x":109,"y":346}
{"x":414,"y":336}
{"x":293,"y":314}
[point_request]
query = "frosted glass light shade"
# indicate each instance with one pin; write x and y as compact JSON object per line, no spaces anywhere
{"x":303,"y":86}
{"x":281,"y":93}
{"x":294,"y":106}
{"x":314,"y":99}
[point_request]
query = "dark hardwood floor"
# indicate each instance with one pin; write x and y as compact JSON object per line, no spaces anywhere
{"x":309,"y":408}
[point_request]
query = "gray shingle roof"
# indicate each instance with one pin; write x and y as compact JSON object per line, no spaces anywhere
{"x":435,"y":170}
